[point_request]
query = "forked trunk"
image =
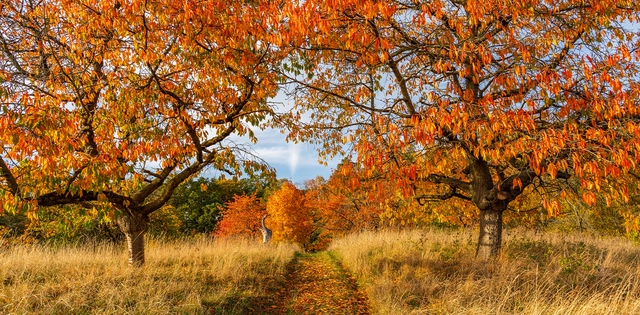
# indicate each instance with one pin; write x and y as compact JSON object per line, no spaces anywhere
{"x":490,"y":238}
{"x":134,"y":226}
{"x":266,"y":232}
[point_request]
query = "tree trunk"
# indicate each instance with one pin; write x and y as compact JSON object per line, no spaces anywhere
{"x":134,"y":226}
{"x":490,"y":238}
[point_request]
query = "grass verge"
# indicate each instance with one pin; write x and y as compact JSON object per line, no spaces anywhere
{"x":180,"y":277}
{"x":435,"y":272}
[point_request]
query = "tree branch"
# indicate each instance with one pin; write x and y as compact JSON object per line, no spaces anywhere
{"x":175,"y":182}
{"x":55,"y":199}
{"x":141,"y":195}
{"x":11,"y":180}
{"x":453,"y":192}
{"x":451,"y":182}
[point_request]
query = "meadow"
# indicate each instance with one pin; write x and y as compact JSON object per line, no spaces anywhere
{"x":400,"y":272}
{"x":435,"y":272}
{"x":180,"y":277}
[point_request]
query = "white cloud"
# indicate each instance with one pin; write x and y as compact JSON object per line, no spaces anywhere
{"x":295,"y":161}
{"x":294,"y":155}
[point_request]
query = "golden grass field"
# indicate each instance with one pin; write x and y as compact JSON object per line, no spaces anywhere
{"x":402,"y":272}
{"x":180,"y":277}
{"x":418,"y":272}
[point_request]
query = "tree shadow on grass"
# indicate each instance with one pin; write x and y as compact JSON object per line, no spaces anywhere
{"x":270,"y":299}
{"x":243,"y":303}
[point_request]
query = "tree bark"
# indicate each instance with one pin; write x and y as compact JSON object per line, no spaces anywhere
{"x":134,"y":226}
{"x":490,"y":239}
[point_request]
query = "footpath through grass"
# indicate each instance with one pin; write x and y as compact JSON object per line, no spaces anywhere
{"x":402,"y":272}
{"x":319,"y":284}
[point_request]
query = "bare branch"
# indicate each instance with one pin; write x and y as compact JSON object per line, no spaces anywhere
{"x":446,"y":196}
{"x":55,"y":199}
{"x":11,"y":180}
{"x":451,"y":182}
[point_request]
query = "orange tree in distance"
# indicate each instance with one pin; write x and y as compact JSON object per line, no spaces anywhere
{"x":476,"y":99}
{"x":346,"y":202}
{"x":241,"y":217}
{"x":118,"y":102}
{"x":330,"y":213}
{"x":371,"y":201}
{"x":290,"y":217}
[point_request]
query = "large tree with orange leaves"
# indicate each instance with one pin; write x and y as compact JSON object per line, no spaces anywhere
{"x":118,"y":102}
{"x":478,"y":100}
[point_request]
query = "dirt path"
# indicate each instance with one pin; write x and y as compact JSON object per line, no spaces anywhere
{"x":319,"y":284}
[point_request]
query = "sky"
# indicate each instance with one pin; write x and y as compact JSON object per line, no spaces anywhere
{"x":294,"y":161}
{"x":297,"y":162}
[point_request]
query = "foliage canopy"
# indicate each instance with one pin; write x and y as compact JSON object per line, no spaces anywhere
{"x":475,"y":100}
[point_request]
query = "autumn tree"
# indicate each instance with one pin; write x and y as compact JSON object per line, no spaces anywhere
{"x":241,"y":216}
{"x":199,"y":202}
{"x":347,"y":201}
{"x":354,"y":198}
{"x":289,"y":217}
{"x":342,"y":204}
{"x":476,"y":100}
{"x":118,"y":103}
{"x":332,"y":209}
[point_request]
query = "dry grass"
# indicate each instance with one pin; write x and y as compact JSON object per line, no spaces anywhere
{"x":430,"y":272}
{"x":406,"y":272}
{"x":187,"y":277}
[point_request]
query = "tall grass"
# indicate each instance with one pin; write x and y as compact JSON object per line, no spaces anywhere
{"x":435,"y":272}
{"x":179,"y":277}
{"x":403,"y":272}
